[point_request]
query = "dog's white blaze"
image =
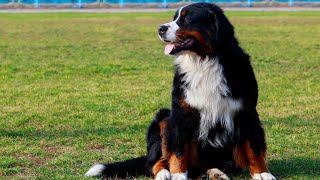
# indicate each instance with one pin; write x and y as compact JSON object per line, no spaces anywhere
{"x":179,"y":13}
{"x":206,"y":90}
{"x":173,"y":27}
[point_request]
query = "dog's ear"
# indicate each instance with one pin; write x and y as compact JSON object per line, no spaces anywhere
{"x":223,"y":33}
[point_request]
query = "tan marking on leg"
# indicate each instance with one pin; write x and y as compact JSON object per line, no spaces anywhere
{"x":193,"y":155}
{"x":240,"y":156}
{"x":161,"y":164}
{"x":163,"y":125}
{"x":164,"y":149}
{"x":257,"y":163}
{"x":178,"y":164}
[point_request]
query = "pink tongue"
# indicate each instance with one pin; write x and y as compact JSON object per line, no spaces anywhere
{"x":168,"y":49}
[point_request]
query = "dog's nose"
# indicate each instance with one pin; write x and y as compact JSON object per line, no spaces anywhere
{"x":162,"y":29}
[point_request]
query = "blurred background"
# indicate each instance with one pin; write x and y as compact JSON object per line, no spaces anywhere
{"x":62,"y":4}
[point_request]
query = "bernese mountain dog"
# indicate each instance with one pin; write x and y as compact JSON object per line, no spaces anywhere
{"x":213,"y":126}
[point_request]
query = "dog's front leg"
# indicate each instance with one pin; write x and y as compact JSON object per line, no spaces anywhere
{"x":179,"y":146}
{"x":179,"y":135}
{"x":252,"y":152}
{"x":178,"y":166}
{"x":176,"y":163}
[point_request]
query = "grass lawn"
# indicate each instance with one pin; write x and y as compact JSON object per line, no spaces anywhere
{"x":78,"y":88}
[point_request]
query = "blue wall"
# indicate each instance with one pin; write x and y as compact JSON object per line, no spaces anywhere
{"x":133,"y":1}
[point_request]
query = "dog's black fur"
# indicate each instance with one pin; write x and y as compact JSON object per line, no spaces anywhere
{"x":183,"y":126}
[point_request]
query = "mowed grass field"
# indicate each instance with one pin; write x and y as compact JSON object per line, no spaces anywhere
{"x":78,"y":88}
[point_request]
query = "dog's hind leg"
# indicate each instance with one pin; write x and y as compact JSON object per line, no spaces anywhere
{"x":156,"y":146}
{"x":160,"y":169}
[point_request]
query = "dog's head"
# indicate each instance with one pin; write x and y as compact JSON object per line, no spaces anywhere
{"x":200,"y":27}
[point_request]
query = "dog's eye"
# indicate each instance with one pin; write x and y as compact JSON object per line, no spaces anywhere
{"x":185,"y":19}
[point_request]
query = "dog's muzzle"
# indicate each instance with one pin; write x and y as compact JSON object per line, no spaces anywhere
{"x":162,"y":30}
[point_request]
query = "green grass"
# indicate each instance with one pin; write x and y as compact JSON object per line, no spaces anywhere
{"x":81,"y":88}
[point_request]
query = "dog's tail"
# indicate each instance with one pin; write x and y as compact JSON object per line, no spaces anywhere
{"x":129,"y":168}
{"x":137,"y":166}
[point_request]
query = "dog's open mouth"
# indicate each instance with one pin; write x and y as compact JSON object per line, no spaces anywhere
{"x":175,"y":47}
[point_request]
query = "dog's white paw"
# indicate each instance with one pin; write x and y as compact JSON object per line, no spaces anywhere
{"x":179,"y":176}
{"x":96,"y":170}
{"x":263,"y":176}
{"x":217,"y":174}
{"x":163,"y":175}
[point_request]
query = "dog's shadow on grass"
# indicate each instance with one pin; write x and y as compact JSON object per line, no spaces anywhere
{"x":284,"y":169}
{"x":287,"y":169}
{"x":292,"y":166}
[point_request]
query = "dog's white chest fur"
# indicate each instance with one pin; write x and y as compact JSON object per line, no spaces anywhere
{"x":205,"y":88}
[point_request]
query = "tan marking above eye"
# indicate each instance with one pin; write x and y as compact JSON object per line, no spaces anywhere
{"x":184,"y":12}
